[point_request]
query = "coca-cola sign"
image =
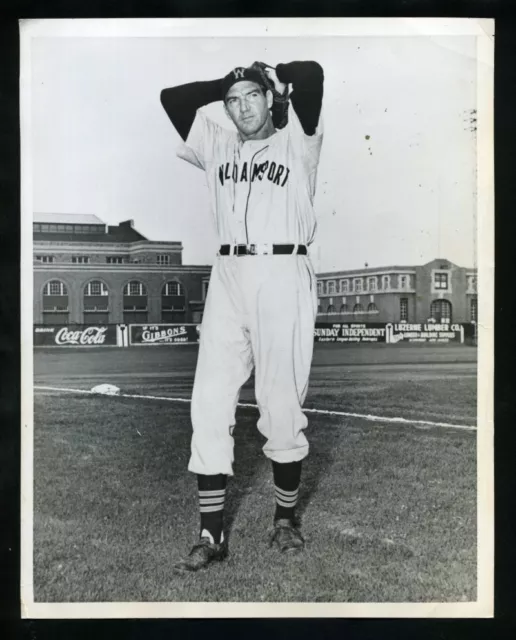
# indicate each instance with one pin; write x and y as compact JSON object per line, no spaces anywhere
{"x":75,"y":335}
{"x":90,"y":335}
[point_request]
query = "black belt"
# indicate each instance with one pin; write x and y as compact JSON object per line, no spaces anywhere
{"x":261,"y":249}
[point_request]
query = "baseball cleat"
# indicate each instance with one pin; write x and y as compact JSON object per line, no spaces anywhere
{"x":286,"y":537}
{"x":202,"y":554}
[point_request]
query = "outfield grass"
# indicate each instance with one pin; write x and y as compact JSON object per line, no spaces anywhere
{"x":388,"y":511}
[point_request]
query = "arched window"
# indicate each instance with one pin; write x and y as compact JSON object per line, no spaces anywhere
{"x":372,"y":283}
{"x":330,"y":309}
{"x":358,"y":308}
{"x":403,"y":281}
{"x":344,"y":286}
{"x":372,"y":308}
{"x":95,"y":303}
{"x":473,"y":309}
{"x":344,"y":308}
{"x":173,"y":302}
{"x":55,"y":303}
{"x":331,"y":287}
{"x":441,"y":311}
{"x":135,"y":303}
{"x":386,"y":282}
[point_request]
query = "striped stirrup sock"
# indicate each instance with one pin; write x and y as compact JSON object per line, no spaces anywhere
{"x":287,"y":477}
{"x":212,"y":493}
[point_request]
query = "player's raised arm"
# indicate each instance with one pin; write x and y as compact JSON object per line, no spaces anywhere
{"x":307,"y":79}
{"x":181,"y":102}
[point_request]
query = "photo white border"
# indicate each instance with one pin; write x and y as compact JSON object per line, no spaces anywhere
{"x":483,"y":29}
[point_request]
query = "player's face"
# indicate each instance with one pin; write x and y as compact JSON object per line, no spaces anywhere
{"x":248,"y":107}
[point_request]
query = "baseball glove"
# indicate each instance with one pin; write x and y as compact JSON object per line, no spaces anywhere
{"x":279,"y":109}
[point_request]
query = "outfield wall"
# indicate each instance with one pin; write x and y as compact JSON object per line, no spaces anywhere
{"x":133,"y":335}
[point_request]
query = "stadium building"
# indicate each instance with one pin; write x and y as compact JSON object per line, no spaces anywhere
{"x":439,"y":291}
{"x":86,"y":272}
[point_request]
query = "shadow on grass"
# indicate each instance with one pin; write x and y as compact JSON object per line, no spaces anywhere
{"x":248,"y":465}
{"x":252,"y":468}
{"x":323,"y":447}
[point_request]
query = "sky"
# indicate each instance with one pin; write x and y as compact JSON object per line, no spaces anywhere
{"x":396,"y":181}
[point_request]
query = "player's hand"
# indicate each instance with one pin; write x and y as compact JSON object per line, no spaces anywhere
{"x":271,"y":74}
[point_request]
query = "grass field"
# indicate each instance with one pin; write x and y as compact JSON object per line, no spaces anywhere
{"x":388,"y":510}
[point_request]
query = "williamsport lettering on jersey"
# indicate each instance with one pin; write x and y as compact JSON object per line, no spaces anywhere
{"x":275,"y":173}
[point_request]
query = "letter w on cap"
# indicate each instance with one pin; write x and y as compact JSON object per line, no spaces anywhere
{"x":239,"y":73}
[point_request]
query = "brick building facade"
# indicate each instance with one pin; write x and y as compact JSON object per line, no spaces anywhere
{"x":86,"y":272}
{"x":439,"y":290}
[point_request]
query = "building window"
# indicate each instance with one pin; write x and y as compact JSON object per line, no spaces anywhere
{"x":473,"y":309}
{"x":331,"y":287}
{"x":358,"y":308}
{"x":372,"y":308}
{"x":80,"y":259}
{"x":173,"y":303}
{"x":357,"y":284}
{"x":205,"y":285}
{"x":441,"y":311}
{"x":386,"y":282}
{"x":95,"y":303}
{"x":441,"y":281}
{"x":472,"y":284}
{"x":45,"y":259}
{"x":135,"y":288}
{"x":135,"y":303}
{"x":344,"y":286}
{"x":163,"y":260}
{"x":403,"y":309}
{"x":55,"y":303}
{"x":330,"y":309}
{"x":320,"y":288}
{"x":114,"y":260}
{"x":173,"y":289}
{"x":319,"y":308}
{"x":403,"y":282}
{"x":372,"y":283}
{"x":344,"y":308}
{"x":96,"y":288}
{"x":55,"y":288}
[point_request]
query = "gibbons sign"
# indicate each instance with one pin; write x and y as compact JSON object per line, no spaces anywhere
{"x":163,"y":334}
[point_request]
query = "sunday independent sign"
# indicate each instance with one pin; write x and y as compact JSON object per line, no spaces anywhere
{"x":349,"y":332}
{"x":163,"y":334}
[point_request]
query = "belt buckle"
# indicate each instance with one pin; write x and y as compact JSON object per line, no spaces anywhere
{"x":267,"y":249}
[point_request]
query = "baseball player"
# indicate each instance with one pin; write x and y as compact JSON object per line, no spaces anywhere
{"x":262,"y":301}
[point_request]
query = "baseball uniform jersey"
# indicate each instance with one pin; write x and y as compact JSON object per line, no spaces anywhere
{"x":260,"y":309}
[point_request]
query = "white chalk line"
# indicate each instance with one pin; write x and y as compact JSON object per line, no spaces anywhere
{"x":345,"y":414}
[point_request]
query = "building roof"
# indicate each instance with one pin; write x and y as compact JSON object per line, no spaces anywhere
{"x":119,"y":234}
{"x":67,"y":218}
{"x":351,"y":272}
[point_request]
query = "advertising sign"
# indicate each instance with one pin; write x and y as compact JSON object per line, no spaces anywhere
{"x":77,"y":335}
{"x":427,"y":332}
{"x":163,"y":334}
{"x":349,"y":332}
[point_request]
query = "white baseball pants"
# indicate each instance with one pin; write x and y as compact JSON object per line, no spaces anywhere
{"x":260,"y":311}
